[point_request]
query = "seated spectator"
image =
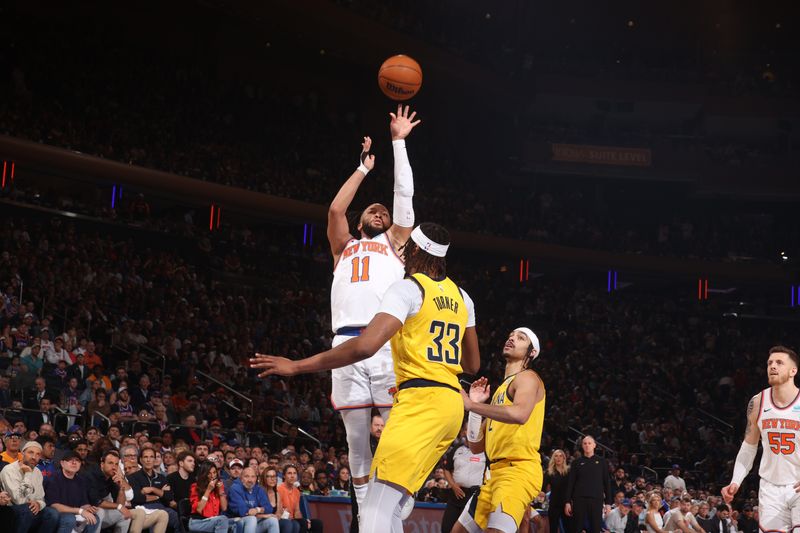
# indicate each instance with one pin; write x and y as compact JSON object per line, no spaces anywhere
{"x":98,"y":376}
{"x":79,"y":370}
{"x":290,"y":496}
{"x":150,"y":488}
{"x":208,"y":501}
{"x":44,"y":416}
{"x":123,"y":406}
{"x":12,"y":442}
{"x":307,"y":485}
{"x":32,"y":360}
{"x":235,"y":467}
{"x":249,"y":501}
{"x":23,"y":483}
{"x":68,"y":493}
{"x":342,"y":481}
{"x":182,"y":480}
{"x":46,"y":465}
{"x":140,"y":396}
{"x":40,"y":391}
{"x":130,"y":457}
{"x":99,"y":404}
{"x":110,"y":491}
{"x":57,"y":353}
{"x":269,"y":481}
{"x":321,"y":481}
{"x":90,"y":357}
{"x":201,"y":452}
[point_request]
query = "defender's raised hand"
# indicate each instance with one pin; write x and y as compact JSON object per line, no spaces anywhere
{"x":479,"y":390}
{"x":402,"y":123}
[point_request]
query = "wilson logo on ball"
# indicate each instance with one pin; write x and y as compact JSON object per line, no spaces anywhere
{"x":400,"y":77}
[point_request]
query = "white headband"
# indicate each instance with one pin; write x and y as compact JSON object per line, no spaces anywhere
{"x":433,"y":248}
{"x":533,"y":338}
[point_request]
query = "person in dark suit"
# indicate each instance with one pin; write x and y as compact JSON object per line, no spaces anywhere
{"x":79,"y":370}
{"x":45,"y":416}
{"x":588,"y":487}
{"x":40,"y":391}
{"x":140,"y":396}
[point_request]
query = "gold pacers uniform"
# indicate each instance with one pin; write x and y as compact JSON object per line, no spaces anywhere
{"x":514,"y":478}
{"x":428,"y":409}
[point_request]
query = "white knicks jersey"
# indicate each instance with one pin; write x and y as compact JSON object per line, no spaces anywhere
{"x":780,"y":438}
{"x":366,"y":269}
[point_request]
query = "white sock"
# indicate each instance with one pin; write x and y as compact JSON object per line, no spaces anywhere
{"x":361,"y":493}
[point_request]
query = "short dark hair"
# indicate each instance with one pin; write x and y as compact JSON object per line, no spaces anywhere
{"x":788,"y":351}
{"x":44,"y":439}
{"x":115,"y":453}
{"x":722,"y":507}
{"x":183,"y":455}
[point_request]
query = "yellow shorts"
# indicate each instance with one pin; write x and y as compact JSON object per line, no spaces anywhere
{"x":512,"y":485}
{"x":423,"y":423}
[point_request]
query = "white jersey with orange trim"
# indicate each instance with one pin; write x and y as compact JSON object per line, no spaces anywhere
{"x":780,"y":438}
{"x":364,"y":272}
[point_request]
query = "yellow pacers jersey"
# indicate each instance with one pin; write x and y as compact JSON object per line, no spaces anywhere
{"x":428,"y":346}
{"x":515,"y":441}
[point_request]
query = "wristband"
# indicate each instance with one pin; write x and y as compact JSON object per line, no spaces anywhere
{"x":204,"y":498}
{"x":362,"y":168}
{"x":474,"y":422}
{"x":80,"y":511}
{"x":119,"y":507}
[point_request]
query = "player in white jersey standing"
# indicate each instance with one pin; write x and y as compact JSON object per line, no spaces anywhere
{"x":773,"y":415}
{"x":363,"y":269}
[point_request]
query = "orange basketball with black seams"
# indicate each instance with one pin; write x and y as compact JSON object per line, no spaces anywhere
{"x":400,"y":77}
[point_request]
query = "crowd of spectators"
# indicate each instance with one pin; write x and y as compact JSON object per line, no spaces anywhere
{"x":113,"y":339}
{"x":300,"y":144}
{"x":636,"y":370}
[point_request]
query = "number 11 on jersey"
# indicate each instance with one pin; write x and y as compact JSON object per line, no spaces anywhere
{"x":360,"y":274}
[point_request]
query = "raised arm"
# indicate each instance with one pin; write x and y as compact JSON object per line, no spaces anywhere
{"x":402,"y":209}
{"x":476,"y":425}
{"x":747,"y":452}
{"x":378,"y":332}
{"x":338,"y":229}
{"x":528,"y":392}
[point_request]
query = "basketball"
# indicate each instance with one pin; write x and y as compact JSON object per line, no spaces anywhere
{"x":400,"y":77}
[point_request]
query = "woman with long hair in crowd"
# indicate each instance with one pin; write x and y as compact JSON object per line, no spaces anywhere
{"x":342,"y":481}
{"x":556,"y":478}
{"x":653,"y":519}
{"x":208,"y":500}
{"x":269,"y":480}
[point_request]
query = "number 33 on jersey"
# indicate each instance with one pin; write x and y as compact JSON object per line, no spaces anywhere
{"x":428,"y":346}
